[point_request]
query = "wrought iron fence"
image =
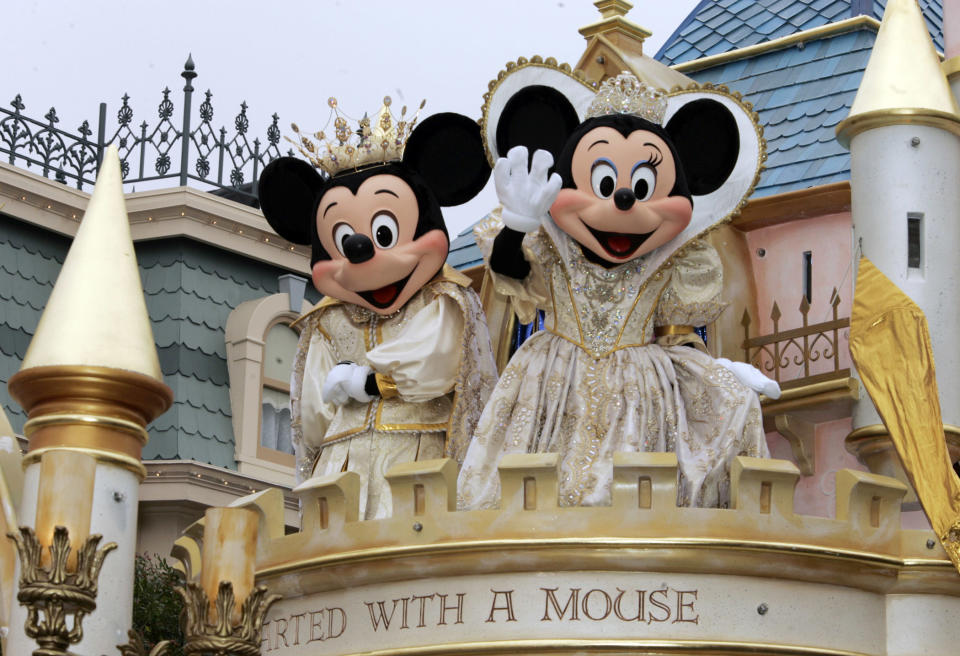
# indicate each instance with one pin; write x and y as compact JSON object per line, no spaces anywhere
{"x":177,"y":148}
{"x":799,"y":356}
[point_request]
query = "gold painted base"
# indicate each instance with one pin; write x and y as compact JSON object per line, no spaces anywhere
{"x":52,"y":594}
{"x":224,"y":636}
{"x":97,"y":410}
{"x":874,"y":449}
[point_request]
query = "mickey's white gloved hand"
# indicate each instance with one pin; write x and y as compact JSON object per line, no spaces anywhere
{"x":526,"y":196}
{"x":344,"y":382}
{"x":752,"y":378}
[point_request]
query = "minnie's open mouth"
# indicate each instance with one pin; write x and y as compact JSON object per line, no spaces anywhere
{"x":386,"y":295}
{"x":619,"y":244}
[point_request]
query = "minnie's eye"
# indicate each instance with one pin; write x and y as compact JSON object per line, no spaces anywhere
{"x":603,"y":178}
{"x":643,"y":180}
{"x":385,"y":230}
{"x":340,"y":232}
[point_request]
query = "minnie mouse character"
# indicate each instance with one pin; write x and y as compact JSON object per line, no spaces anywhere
{"x":623,"y":279}
{"x":394,"y":364}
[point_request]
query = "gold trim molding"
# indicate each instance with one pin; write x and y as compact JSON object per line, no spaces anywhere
{"x":831,"y":29}
{"x":854,"y":125}
{"x":100,"y":411}
{"x":573,"y":646}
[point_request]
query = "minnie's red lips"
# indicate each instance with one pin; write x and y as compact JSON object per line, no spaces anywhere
{"x":619,"y":244}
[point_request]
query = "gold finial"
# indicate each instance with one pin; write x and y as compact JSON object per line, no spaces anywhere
{"x":611,"y":8}
{"x":903,"y":81}
{"x":96,"y":314}
{"x":613,"y":23}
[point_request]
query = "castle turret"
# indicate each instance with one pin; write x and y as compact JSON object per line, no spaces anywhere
{"x":90,"y":381}
{"x":902,"y":133}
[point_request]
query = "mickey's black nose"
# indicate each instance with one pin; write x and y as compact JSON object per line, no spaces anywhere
{"x":358,"y":248}
{"x":624,"y":199}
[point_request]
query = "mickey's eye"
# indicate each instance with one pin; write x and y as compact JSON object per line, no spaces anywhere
{"x":340,"y":232}
{"x":644,"y":180}
{"x":603,"y":178}
{"x":385,"y":230}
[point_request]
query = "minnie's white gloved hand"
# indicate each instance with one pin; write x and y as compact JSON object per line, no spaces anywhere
{"x":344,"y":382}
{"x":526,"y":196}
{"x":752,"y":378}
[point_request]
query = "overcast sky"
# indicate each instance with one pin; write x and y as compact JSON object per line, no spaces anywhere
{"x":288,"y":56}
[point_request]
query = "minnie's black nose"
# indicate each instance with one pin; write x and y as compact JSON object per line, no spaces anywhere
{"x":624,"y":199}
{"x":358,"y":248}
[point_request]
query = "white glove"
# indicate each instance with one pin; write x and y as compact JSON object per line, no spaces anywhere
{"x":752,"y":378}
{"x":526,"y":196}
{"x":344,"y":382}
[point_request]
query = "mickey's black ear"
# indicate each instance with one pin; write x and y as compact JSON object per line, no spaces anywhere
{"x":288,"y":192}
{"x":447,"y":151}
{"x":706,"y":137}
{"x":538,"y":117}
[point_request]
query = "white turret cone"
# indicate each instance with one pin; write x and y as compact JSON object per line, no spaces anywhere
{"x":96,"y":314}
{"x":903,"y":81}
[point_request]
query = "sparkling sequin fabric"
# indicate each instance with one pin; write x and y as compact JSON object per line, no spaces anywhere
{"x":595,"y":382}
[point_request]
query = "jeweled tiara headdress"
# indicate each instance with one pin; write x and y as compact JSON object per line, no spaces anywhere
{"x":364,"y":145}
{"x":625,"y":94}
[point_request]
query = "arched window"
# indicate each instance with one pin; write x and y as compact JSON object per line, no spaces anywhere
{"x":260,"y":351}
{"x":279,"y":349}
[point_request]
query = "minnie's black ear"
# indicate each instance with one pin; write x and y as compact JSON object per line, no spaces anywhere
{"x":447,"y":151}
{"x":288,"y":190}
{"x":706,"y":137}
{"x":538,"y":117}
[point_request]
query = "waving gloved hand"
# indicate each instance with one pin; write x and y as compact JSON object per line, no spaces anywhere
{"x":751,"y":377}
{"x":346,"y":381}
{"x":526,"y":195}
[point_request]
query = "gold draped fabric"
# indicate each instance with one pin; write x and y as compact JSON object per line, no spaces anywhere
{"x":890,"y":345}
{"x":595,"y":381}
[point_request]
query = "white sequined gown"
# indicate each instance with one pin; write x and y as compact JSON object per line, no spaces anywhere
{"x":595,"y":381}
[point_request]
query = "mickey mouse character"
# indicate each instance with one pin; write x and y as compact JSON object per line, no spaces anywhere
{"x":394,"y":364}
{"x":623,"y":280}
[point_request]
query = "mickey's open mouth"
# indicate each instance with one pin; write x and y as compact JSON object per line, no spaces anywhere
{"x":386,"y":295}
{"x":619,"y":244}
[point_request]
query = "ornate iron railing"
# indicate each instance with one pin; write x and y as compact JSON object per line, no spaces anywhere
{"x":184,"y":148}
{"x":799,"y":356}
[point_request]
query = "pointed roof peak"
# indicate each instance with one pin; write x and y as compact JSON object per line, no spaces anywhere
{"x":96,"y":314}
{"x":903,"y":81}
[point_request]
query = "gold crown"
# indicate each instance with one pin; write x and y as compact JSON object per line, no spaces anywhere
{"x":350,"y":150}
{"x":625,"y":94}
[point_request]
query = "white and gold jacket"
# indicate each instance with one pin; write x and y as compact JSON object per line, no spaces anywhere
{"x":433,"y":361}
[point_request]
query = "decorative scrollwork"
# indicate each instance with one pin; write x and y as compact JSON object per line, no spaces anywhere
{"x":223,"y":637}
{"x":135,"y":646}
{"x":203,"y":153}
{"x":51,"y":594}
{"x":789,"y":355}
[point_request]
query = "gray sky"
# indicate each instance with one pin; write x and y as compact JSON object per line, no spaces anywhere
{"x":288,"y":56}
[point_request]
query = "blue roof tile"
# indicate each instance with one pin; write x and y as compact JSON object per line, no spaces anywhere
{"x":716,"y":26}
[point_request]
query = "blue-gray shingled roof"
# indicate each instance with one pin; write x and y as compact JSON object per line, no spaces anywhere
{"x":190,"y":290}
{"x":718,"y":26}
{"x":801,"y":92}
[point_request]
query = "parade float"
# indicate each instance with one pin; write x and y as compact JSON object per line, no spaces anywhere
{"x":774,"y":571}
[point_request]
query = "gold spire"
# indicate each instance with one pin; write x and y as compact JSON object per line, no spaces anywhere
{"x":903,"y":82}
{"x":96,"y":315}
{"x":615,"y":26}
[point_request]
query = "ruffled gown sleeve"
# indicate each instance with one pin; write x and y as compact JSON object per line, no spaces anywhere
{"x":692,"y":297}
{"x":526,"y":295}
